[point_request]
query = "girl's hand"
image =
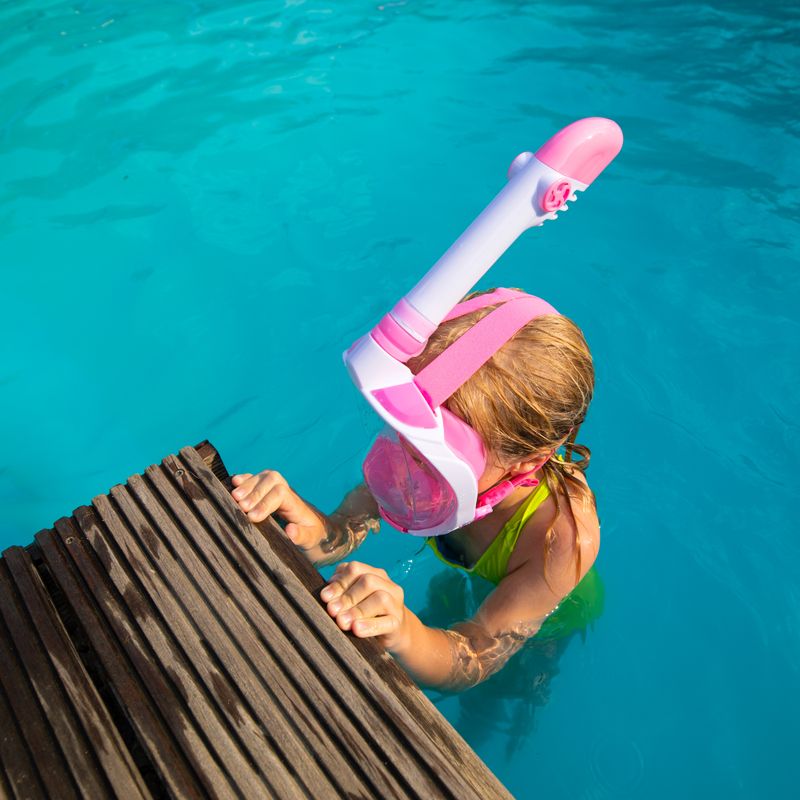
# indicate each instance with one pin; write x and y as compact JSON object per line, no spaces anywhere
{"x":363,"y":600}
{"x":268,"y":493}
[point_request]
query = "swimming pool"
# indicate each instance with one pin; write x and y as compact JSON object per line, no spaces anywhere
{"x":203,"y":203}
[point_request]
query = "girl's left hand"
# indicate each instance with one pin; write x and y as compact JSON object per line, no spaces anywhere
{"x":363,"y":599}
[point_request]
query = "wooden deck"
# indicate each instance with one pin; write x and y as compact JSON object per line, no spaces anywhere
{"x":158,"y":644}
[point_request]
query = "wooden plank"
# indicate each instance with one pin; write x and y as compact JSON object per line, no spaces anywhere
{"x":18,"y":772}
{"x":30,"y":719}
{"x":445,"y":738}
{"x":429,"y":767}
{"x":110,"y":753}
{"x":63,"y":746}
{"x":337,"y":739}
{"x":132,"y":698}
{"x":213,"y":461}
{"x":126,"y":613}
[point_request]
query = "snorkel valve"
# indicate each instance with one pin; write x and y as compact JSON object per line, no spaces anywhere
{"x":539,"y":186}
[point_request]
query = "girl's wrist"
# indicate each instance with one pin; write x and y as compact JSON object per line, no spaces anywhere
{"x":402,"y":640}
{"x":333,"y":531}
{"x":341,"y":534}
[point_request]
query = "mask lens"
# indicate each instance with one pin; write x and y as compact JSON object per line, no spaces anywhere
{"x":411,"y":492}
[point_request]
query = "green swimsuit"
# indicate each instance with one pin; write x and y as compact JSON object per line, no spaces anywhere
{"x":584,"y":604}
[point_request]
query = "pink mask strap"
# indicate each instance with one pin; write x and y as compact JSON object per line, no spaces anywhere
{"x":483,"y":300}
{"x":459,"y":362}
{"x":491,"y":497}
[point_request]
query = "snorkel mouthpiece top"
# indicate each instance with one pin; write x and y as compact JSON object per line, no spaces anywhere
{"x":424,"y":473}
{"x":582,"y":150}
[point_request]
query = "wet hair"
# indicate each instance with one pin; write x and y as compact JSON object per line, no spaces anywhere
{"x":527,"y":401}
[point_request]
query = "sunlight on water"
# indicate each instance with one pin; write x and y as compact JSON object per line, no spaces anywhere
{"x":202,"y":204}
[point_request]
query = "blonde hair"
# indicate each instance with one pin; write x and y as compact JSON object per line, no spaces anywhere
{"x":527,"y":400}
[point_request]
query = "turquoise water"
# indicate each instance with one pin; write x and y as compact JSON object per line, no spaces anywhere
{"x":203,"y":203}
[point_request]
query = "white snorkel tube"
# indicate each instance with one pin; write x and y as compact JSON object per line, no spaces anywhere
{"x":539,"y":186}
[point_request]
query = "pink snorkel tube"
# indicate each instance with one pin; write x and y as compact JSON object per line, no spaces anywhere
{"x":424,"y":472}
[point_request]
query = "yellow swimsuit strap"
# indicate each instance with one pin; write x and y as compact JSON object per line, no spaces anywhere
{"x":493,"y":564}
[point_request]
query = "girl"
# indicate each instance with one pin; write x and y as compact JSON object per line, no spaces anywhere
{"x":527,"y":402}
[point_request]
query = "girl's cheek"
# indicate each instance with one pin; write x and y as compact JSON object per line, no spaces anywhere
{"x":491,"y":476}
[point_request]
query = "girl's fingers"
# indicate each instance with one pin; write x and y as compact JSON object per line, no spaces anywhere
{"x":269,"y":501}
{"x":350,"y":571}
{"x":342,"y":577}
{"x":376,"y":626}
{"x":253,"y":493}
{"x":246,"y":485}
{"x":341,"y":580}
{"x":375,"y":605}
{"x":304,"y":536}
{"x":268,"y":493}
{"x":349,"y":592}
{"x":292,"y":531}
{"x":330,"y":592}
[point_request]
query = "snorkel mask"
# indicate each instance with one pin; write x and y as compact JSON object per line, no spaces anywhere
{"x":424,"y":468}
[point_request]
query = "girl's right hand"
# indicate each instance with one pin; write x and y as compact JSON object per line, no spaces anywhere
{"x":268,"y":493}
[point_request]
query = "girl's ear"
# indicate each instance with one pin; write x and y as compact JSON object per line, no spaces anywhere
{"x":529,"y":465}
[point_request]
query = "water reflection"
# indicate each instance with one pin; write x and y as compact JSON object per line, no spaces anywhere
{"x":97,"y":84}
{"x":505,"y":705}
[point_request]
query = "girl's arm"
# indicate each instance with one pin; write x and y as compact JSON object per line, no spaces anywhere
{"x":470,"y":651}
{"x":364,"y":600}
{"x":324,"y":539}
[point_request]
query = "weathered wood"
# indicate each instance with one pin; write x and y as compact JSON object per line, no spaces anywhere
{"x":93,"y":752}
{"x":118,"y":659}
{"x":243,"y":698}
{"x":339,"y":746}
{"x":181,"y":685}
{"x":30,"y":720}
{"x":274,"y":551}
{"x":18,"y":774}
{"x":161,"y":644}
{"x":124,"y":611}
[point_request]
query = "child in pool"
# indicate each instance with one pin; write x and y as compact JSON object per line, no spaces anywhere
{"x":527,"y":402}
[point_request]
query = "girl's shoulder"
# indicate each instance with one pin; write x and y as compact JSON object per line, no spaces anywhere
{"x":562,"y":538}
